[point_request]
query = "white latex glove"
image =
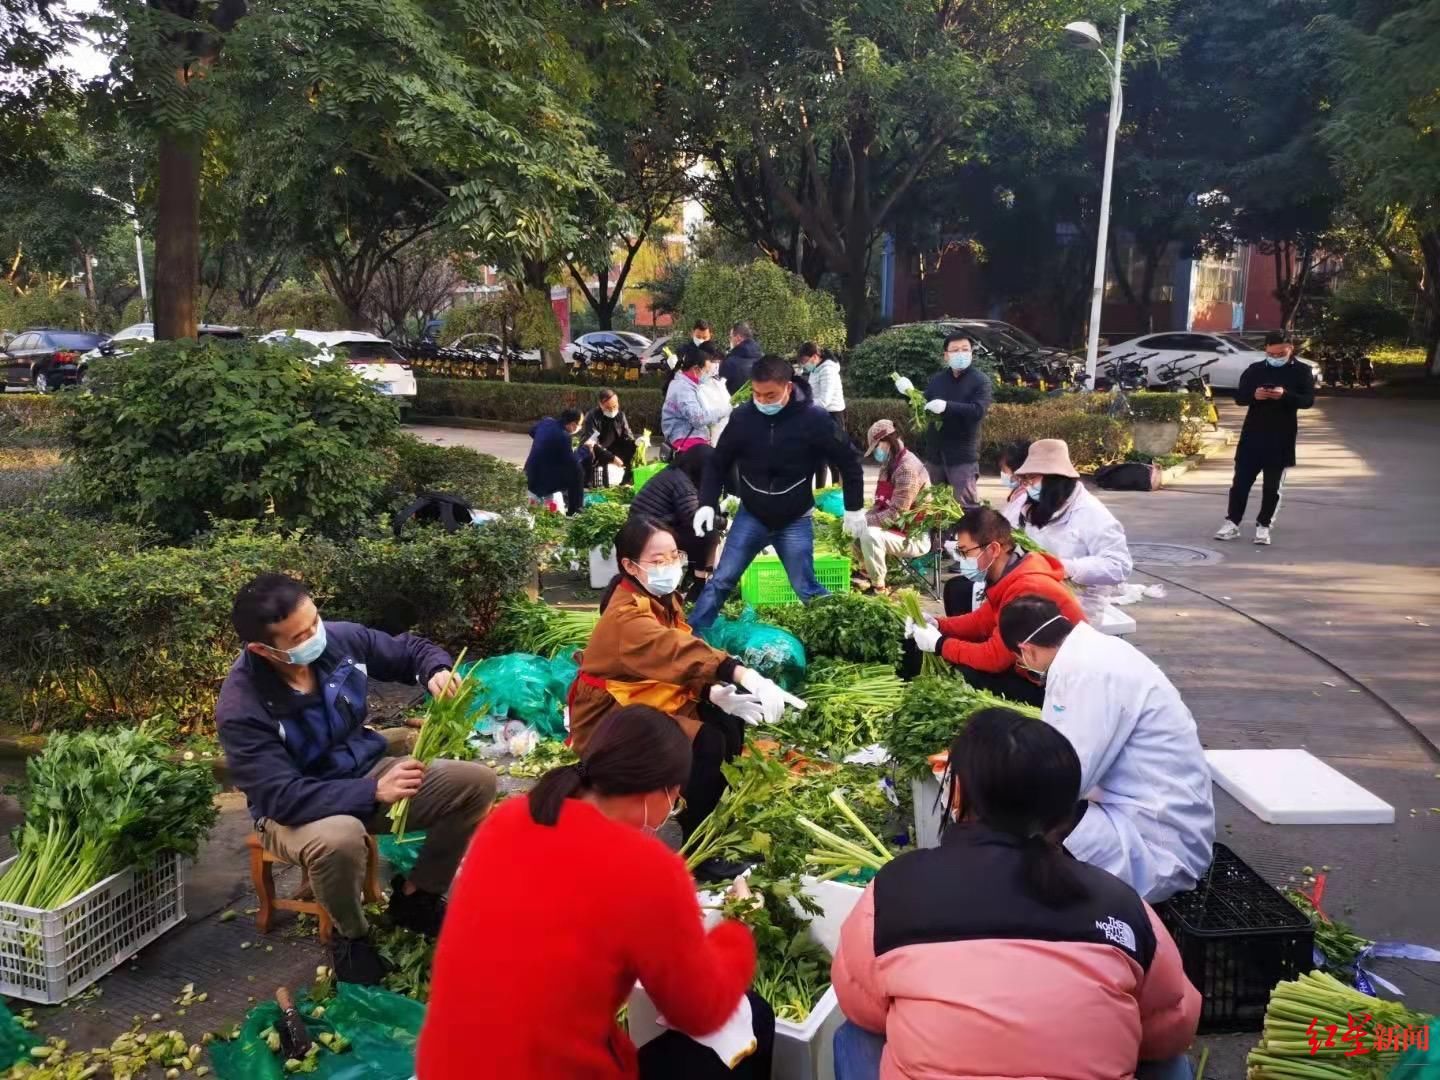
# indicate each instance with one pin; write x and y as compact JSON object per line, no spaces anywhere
{"x":937,"y":406}
{"x":704,"y":520}
{"x":930,"y":620}
{"x":926,"y":637}
{"x":772,"y":699}
{"x":854,"y":523}
{"x":729,"y":699}
{"x":903,"y":385}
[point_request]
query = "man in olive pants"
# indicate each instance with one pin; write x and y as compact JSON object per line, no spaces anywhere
{"x":291,"y":719}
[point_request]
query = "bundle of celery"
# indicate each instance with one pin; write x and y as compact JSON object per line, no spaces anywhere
{"x":448,"y":723}
{"x":99,"y":803}
{"x":934,"y":508}
{"x":744,"y":394}
{"x":1319,"y":1007}
{"x":753,"y":781}
{"x":530,"y":626}
{"x":845,"y":703}
{"x":921,"y":419}
{"x":933,"y":712}
{"x":930,"y":663}
{"x":791,"y":969}
{"x":1340,"y":945}
{"x":642,"y":449}
{"x":840,"y":854}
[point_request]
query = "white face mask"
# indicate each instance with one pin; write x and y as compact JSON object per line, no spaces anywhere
{"x":697,"y":341}
{"x":674,"y":812}
{"x":611,"y":413}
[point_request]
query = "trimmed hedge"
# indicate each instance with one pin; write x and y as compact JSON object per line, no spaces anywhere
{"x":100,"y":623}
{"x":484,"y":481}
{"x":1095,"y":437}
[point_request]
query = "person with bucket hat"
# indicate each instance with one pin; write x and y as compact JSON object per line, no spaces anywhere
{"x":1061,"y":515}
{"x":1275,"y":389}
{"x":902,"y":478}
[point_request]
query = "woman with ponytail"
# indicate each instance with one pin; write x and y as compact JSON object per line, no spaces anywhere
{"x":564,"y":900}
{"x":997,"y":954}
{"x":642,"y":652}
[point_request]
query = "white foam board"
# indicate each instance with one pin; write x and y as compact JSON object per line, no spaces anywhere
{"x":1115,"y":622}
{"x":1294,"y":787}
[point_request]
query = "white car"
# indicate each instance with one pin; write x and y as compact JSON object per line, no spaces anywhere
{"x":1231,"y":353}
{"x":373,"y":358}
{"x":491,"y":346}
{"x":143,"y":333}
{"x":605,"y":340}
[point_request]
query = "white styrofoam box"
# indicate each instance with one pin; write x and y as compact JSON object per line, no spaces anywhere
{"x":802,"y":1051}
{"x":1294,"y":787}
{"x":49,"y":956}
{"x":602,"y":568}
{"x":1115,"y":622}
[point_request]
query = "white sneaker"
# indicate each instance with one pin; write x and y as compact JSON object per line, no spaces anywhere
{"x":1228,"y":531}
{"x":1262,"y":535}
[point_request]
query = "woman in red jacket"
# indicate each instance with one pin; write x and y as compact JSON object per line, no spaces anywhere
{"x":997,"y":954}
{"x":564,"y":900}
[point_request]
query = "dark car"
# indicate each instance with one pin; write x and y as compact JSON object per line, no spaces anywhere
{"x":46,"y":358}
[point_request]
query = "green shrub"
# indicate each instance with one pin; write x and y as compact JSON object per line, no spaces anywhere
{"x":484,"y":481}
{"x":520,"y":403}
{"x":27,"y":475}
{"x":1158,"y":407}
{"x":294,"y":306}
{"x":99,"y":623}
{"x":916,"y":351}
{"x":1095,"y":438}
{"x":31,"y":420}
{"x":182,"y":431}
{"x":778,"y":305}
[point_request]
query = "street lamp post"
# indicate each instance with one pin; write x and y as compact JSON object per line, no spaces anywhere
{"x":134,"y":214}
{"x":1084,"y":35}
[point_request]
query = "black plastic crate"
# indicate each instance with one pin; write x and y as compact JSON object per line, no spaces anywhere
{"x":1238,"y":936}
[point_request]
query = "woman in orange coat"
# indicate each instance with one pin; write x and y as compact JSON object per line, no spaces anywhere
{"x":642,"y":652}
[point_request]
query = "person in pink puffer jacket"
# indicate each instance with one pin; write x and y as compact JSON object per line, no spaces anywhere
{"x":997,"y":956}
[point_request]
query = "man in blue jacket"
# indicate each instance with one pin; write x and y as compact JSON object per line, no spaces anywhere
{"x":959,"y":396}
{"x":777,"y":440}
{"x":291,"y":719}
{"x":554,"y":464}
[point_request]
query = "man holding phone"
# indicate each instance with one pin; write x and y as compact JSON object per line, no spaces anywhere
{"x":1275,"y":389}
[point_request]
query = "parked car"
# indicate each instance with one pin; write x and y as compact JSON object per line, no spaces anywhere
{"x":47,"y":358}
{"x":373,"y":358}
{"x":1231,"y":352}
{"x":143,"y":333}
{"x":603,"y":341}
{"x":491,"y":345}
{"x":653,"y":358}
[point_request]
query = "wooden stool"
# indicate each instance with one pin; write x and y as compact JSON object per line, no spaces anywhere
{"x":303,"y":901}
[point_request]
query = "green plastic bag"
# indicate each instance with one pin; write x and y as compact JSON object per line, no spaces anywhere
{"x":777,"y":654}
{"x":529,"y":688}
{"x":1420,"y":1064}
{"x":401,"y":855}
{"x":382,"y":1027}
{"x":830,"y":500}
{"x":15,"y":1041}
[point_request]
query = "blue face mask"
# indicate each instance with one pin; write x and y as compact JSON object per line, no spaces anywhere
{"x":882,"y":455}
{"x":308,"y":651}
{"x":771,"y":408}
{"x":1032,"y":491}
{"x":1277,"y":361}
{"x":1009,"y":481}
{"x":958,"y":361}
{"x":663,"y":580}
{"x":971,"y":568}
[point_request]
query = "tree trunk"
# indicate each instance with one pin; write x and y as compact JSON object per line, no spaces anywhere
{"x":535,"y":277}
{"x":605,"y":309}
{"x":87,"y":264}
{"x":177,"y":236}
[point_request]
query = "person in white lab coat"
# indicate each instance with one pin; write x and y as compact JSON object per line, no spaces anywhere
{"x":1148,"y":815}
{"x":1061,"y":515}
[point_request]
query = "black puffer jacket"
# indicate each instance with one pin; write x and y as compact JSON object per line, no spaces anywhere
{"x":777,"y":457}
{"x":668,"y":496}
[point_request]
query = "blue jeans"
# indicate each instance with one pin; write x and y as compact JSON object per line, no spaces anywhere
{"x":857,"y":1057}
{"x":794,"y":543}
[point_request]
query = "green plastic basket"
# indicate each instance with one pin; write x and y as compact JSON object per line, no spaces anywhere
{"x":764,"y":582}
{"x":645,"y":472}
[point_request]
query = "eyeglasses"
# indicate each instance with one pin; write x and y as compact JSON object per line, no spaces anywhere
{"x":970,"y":553}
{"x":675,"y":558}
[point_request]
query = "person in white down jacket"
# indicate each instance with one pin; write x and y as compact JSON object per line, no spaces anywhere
{"x":826,"y":392}
{"x":1148,"y":815}
{"x":1061,"y":515}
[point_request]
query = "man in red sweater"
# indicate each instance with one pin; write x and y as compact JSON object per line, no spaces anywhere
{"x":972,"y":642}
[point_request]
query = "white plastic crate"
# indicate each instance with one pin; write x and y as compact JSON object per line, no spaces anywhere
{"x":802,"y":1051}
{"x":602,"y":568}
{"x":48,"y":956}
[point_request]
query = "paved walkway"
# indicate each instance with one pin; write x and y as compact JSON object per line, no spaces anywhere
{"x":1315,"y":642}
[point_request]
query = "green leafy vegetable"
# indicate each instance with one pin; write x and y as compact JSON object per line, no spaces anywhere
{"x":845,"y":703}
{"x":930,"y":663}
{"x":1339,"y":944}
{"x":847,"y":626}
{"x":934,"y":508}
{"x":595,"y":527}
{"x":531,"y":626}
{"x":744,"y":394}
{"x":921,"y":419}
{"x":933,"y":712}
{"x":99,"y":803}
{"x":448,"y":723}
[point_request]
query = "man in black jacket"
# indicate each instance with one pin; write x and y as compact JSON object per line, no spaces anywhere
{"x":291,"y":719}
{"x":1275,"y":389}
{"x":606,"y":431}
{"x":959,"y":396}
{"x":777,"y":440}
{"x":735,"y":369}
